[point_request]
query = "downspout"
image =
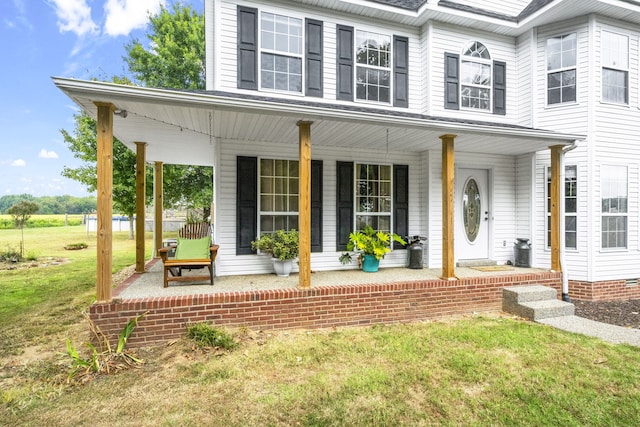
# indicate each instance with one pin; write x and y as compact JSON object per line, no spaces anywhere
{"x":563,"y":264}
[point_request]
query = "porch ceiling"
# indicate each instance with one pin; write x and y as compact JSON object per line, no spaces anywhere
{"x":183,"y":127}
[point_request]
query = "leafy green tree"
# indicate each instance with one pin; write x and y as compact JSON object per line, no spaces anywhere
{"x":84,"y":145}
{"x":176,"y":55}
{"x":174,"y":60}
{"x":21,"y":213}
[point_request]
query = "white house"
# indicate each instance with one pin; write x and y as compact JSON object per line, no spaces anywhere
{"x":431,"y":117}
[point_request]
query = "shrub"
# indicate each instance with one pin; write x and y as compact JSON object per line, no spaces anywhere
{"x":206,"y":335}
{"x":10,"y":254}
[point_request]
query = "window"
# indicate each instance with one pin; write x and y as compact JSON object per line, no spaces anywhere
{"x":367,"y":67}
{"x":472,"y":81}
{"x":615,"y":68}
{"x":614,"y":206}
{"x":373,"y":67}
{"x":475,"y":77}
{"x":373,"y":197}
{"x":281,"y":52}
{"x":570,"y":207}
{"x":278,"y":195}
{"x":561,"y":69}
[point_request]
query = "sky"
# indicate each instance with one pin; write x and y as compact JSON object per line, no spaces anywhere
{"x":40,"y":39}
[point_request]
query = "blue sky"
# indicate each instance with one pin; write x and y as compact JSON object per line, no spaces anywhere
{"x":39,"y":39}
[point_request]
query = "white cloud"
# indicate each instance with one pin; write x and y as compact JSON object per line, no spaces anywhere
{"x":123,"y":16}
{"x":44,"y":154}
{"x":74,"y":16}
{"x":19,"y":163}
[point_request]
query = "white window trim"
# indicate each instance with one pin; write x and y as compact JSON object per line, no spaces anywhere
{"x":357,"y":29}
{"x":547,"y":72}
{"x":355,"y":195}
{"x":602,"y":214}
{"x":260,"y":212}
{"x":627,"y":70}
{"x":288,"y":14}
{"x":489,"y":62}
{"x":547,"y":176}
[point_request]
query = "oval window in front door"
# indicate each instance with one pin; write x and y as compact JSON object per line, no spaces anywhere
{"x":471,"y":209}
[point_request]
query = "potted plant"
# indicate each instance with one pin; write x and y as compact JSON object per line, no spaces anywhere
{"x":373,"y":246}
{"x":282,"y":246}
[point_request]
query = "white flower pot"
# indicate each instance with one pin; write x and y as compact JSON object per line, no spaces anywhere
{"x":282,"y":267}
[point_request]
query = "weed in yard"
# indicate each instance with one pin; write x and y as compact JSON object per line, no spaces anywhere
{"x":106,"y":360}
{"x":206,"y":335}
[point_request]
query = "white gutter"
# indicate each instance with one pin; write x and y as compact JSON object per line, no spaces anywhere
{"x":563,"y":264}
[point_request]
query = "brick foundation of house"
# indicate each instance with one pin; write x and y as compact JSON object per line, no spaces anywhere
{"x":609,"y":290}
{"x":318,"y":307}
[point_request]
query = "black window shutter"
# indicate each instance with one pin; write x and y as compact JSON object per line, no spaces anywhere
{"x":451,"y":81}
{"x":344,"y":64}
{"x":499,"y":87}
{"x":246,"y":204}
{"x":247,"y":48}
{"x":400,"y":202}
{"x":344,"y":202}
{"x":313,"y":58}
{"x":400,"y":71}
{"x":316,"y":205}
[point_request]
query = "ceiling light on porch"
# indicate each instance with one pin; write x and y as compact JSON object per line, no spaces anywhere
{"x":121,"y":113}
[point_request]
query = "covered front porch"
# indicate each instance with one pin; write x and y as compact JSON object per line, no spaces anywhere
{"x":216,"y":129}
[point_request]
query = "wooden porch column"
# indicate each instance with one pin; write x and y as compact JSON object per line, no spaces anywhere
{"x":104,"y":167}
{"x":556,"y":215}
{"x":158,"y":198}
{"x":448,"y":192}
{"x":141,"y":164}
{"x":304,"y":204}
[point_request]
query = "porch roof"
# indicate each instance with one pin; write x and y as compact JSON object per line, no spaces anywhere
{"x":182,"y":127}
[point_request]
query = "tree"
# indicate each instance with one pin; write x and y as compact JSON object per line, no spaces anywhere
{"x":84,"y":145}
{"x":177,"y":54}
{"x":176,"y":60}
{"x":21,"y":213}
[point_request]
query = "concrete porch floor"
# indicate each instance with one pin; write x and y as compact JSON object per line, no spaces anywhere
{"x":149,"y":284}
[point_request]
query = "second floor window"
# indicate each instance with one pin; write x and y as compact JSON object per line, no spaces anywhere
{"x":615,"y":68}
{"x":475,"y":76}
{"x":561,"y":69}
{"x":281,"y":52}
{"x":373,"y":67}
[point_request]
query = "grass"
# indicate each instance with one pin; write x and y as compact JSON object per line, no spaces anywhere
{"x":481,"y":371}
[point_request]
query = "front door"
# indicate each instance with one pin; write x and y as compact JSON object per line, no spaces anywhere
{"x":472,"y":214}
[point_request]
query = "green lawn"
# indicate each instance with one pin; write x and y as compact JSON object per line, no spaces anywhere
{"x":481,"y":371}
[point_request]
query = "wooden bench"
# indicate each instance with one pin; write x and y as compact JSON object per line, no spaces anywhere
{"x":173,"y":267}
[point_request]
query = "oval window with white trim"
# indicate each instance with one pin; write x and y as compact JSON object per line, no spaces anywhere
{"x":471,"y":208}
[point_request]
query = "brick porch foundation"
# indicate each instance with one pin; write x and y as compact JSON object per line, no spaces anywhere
{"x":610,"y":290}
{"x":319,"y":307}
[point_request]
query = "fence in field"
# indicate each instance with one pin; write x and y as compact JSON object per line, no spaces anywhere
{"x":121,"y":223}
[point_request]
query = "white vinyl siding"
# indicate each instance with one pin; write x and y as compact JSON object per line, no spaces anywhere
{"x":230,"y":264}
{"x":225,"y":61}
